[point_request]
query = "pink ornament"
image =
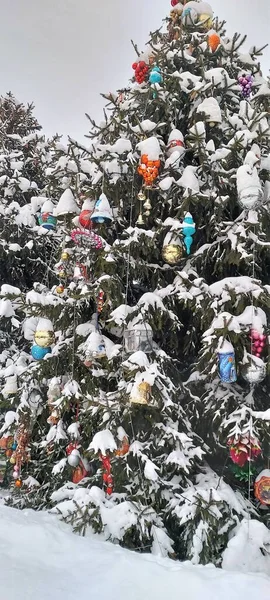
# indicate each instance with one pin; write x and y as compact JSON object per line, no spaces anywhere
{"x":255,"y":335}
{"x":257,"y":344}
{"x":262,"y":338}
{"x":257,"y":354}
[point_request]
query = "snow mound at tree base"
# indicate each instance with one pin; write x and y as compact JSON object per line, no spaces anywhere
{"x":41,"y":559}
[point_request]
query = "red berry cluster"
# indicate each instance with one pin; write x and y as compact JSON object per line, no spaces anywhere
{"x":258,"y":342}
{"x":141,"y":71}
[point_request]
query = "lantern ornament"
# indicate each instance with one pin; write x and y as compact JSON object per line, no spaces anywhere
{"x":188,"y":229}
{"x":138,"y":337}
{"x":141,"y":393}
{"x":262,"y":487}
{"x":102,"y":212}
{"x":227,"y":368}
{"x":243,"y":449}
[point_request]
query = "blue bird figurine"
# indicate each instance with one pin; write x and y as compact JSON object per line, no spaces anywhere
{"x":188,"y":229}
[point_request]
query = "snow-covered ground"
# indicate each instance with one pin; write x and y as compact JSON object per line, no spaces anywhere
{"x":40,"y":559}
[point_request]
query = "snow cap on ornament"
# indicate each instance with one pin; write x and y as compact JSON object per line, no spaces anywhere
{"x":10,"y":386}
{"x":102,"y":212}
{"x":175,"y":143}
{"x":150,"y":147}
{"x":255,"y":371}
{"x":211,"y":109}
{"x":66,"y":205}
{"x":190,"y":14}
{"x":177,"y":6}
{"x":248,"y":187}
{"x":227,"y":368}
{"x":94,"y":346}
{"x":44,"y":335}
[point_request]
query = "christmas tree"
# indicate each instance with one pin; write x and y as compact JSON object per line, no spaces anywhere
{"x":154,"y":354}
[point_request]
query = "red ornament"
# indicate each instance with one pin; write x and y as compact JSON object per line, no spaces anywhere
{"x":72,"y":446}
{"x":107,"y":476}
{"x":141,"y":71}
{"x":79,"y":473}
{"x":85,"y":219}
{"x":243,"y":449}
{"x":174,"y":2}
{"x":100,"y":301}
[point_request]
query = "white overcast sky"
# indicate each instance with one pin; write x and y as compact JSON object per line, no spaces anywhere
{"x":61,"y":54}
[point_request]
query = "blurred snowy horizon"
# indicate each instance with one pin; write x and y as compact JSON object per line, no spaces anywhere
{"x":62,"y":56}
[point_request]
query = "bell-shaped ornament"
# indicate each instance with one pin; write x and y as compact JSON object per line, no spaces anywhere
{"x":102,"y":212}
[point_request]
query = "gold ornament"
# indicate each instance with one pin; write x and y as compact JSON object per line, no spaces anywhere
{"x":141,"y":196}
{"x":62,"y":274}
{"x":172,"y":253}
{"x":147,"y":205}
{"x":205,"y":21}
{"x":12,"y":460}
{"x":140,"y":220}
{"x":44,"y":338}
{"x":144,"y":394}
{"x":65,"y":255}
{"x":60,"y":289}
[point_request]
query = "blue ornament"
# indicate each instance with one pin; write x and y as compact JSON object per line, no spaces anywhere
{"x":14,"y":446}
{"x":102,"y":212}
{"x":155,"y":75}
{"x":188,"y":229}
{"x":38,"y":353}
{"x":227,"y":368}
{"x":47,"y":221}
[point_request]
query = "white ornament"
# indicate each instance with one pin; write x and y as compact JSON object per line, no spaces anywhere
{"x":210,"y":108}
{"x":248,"y":187}
{"x":74,"y":458}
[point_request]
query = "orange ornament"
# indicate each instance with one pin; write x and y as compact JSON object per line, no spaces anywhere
{"x":124,"y":449}
{"x":144,"y":159}
{"x":18,"y":483}
{"x":6,"y":442}
{"x":9,"y":453}
{"x":213,"y":41}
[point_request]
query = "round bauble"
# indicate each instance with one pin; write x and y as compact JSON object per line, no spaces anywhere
{"x":172,"y":253}
{"x":74,"y":458}
{"x":255,"y":372}
{"x":18,"y":483}
{"x":39,"y":353}
{"x":85,"y":219}
{"x":205,"y":21}
{"x":65,"y":255}
{"x":12,"y":460}
{"x":44,"y":339}
{"x":60,"y":289}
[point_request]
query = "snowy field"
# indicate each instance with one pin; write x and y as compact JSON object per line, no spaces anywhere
{"x":41,"y":560}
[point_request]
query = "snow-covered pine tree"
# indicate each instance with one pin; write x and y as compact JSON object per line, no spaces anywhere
{"x":155,"y":378}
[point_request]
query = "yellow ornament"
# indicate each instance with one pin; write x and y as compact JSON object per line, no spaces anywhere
{"x":205,"y":21}
{"x":172,"y":253}
{"x":144,"y":394}
{"x":62,"y":274}
{"x":12,"y":460}
{"x":44,"y":338}
{"x":60,"y":289}
{"x":65,"y":255}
